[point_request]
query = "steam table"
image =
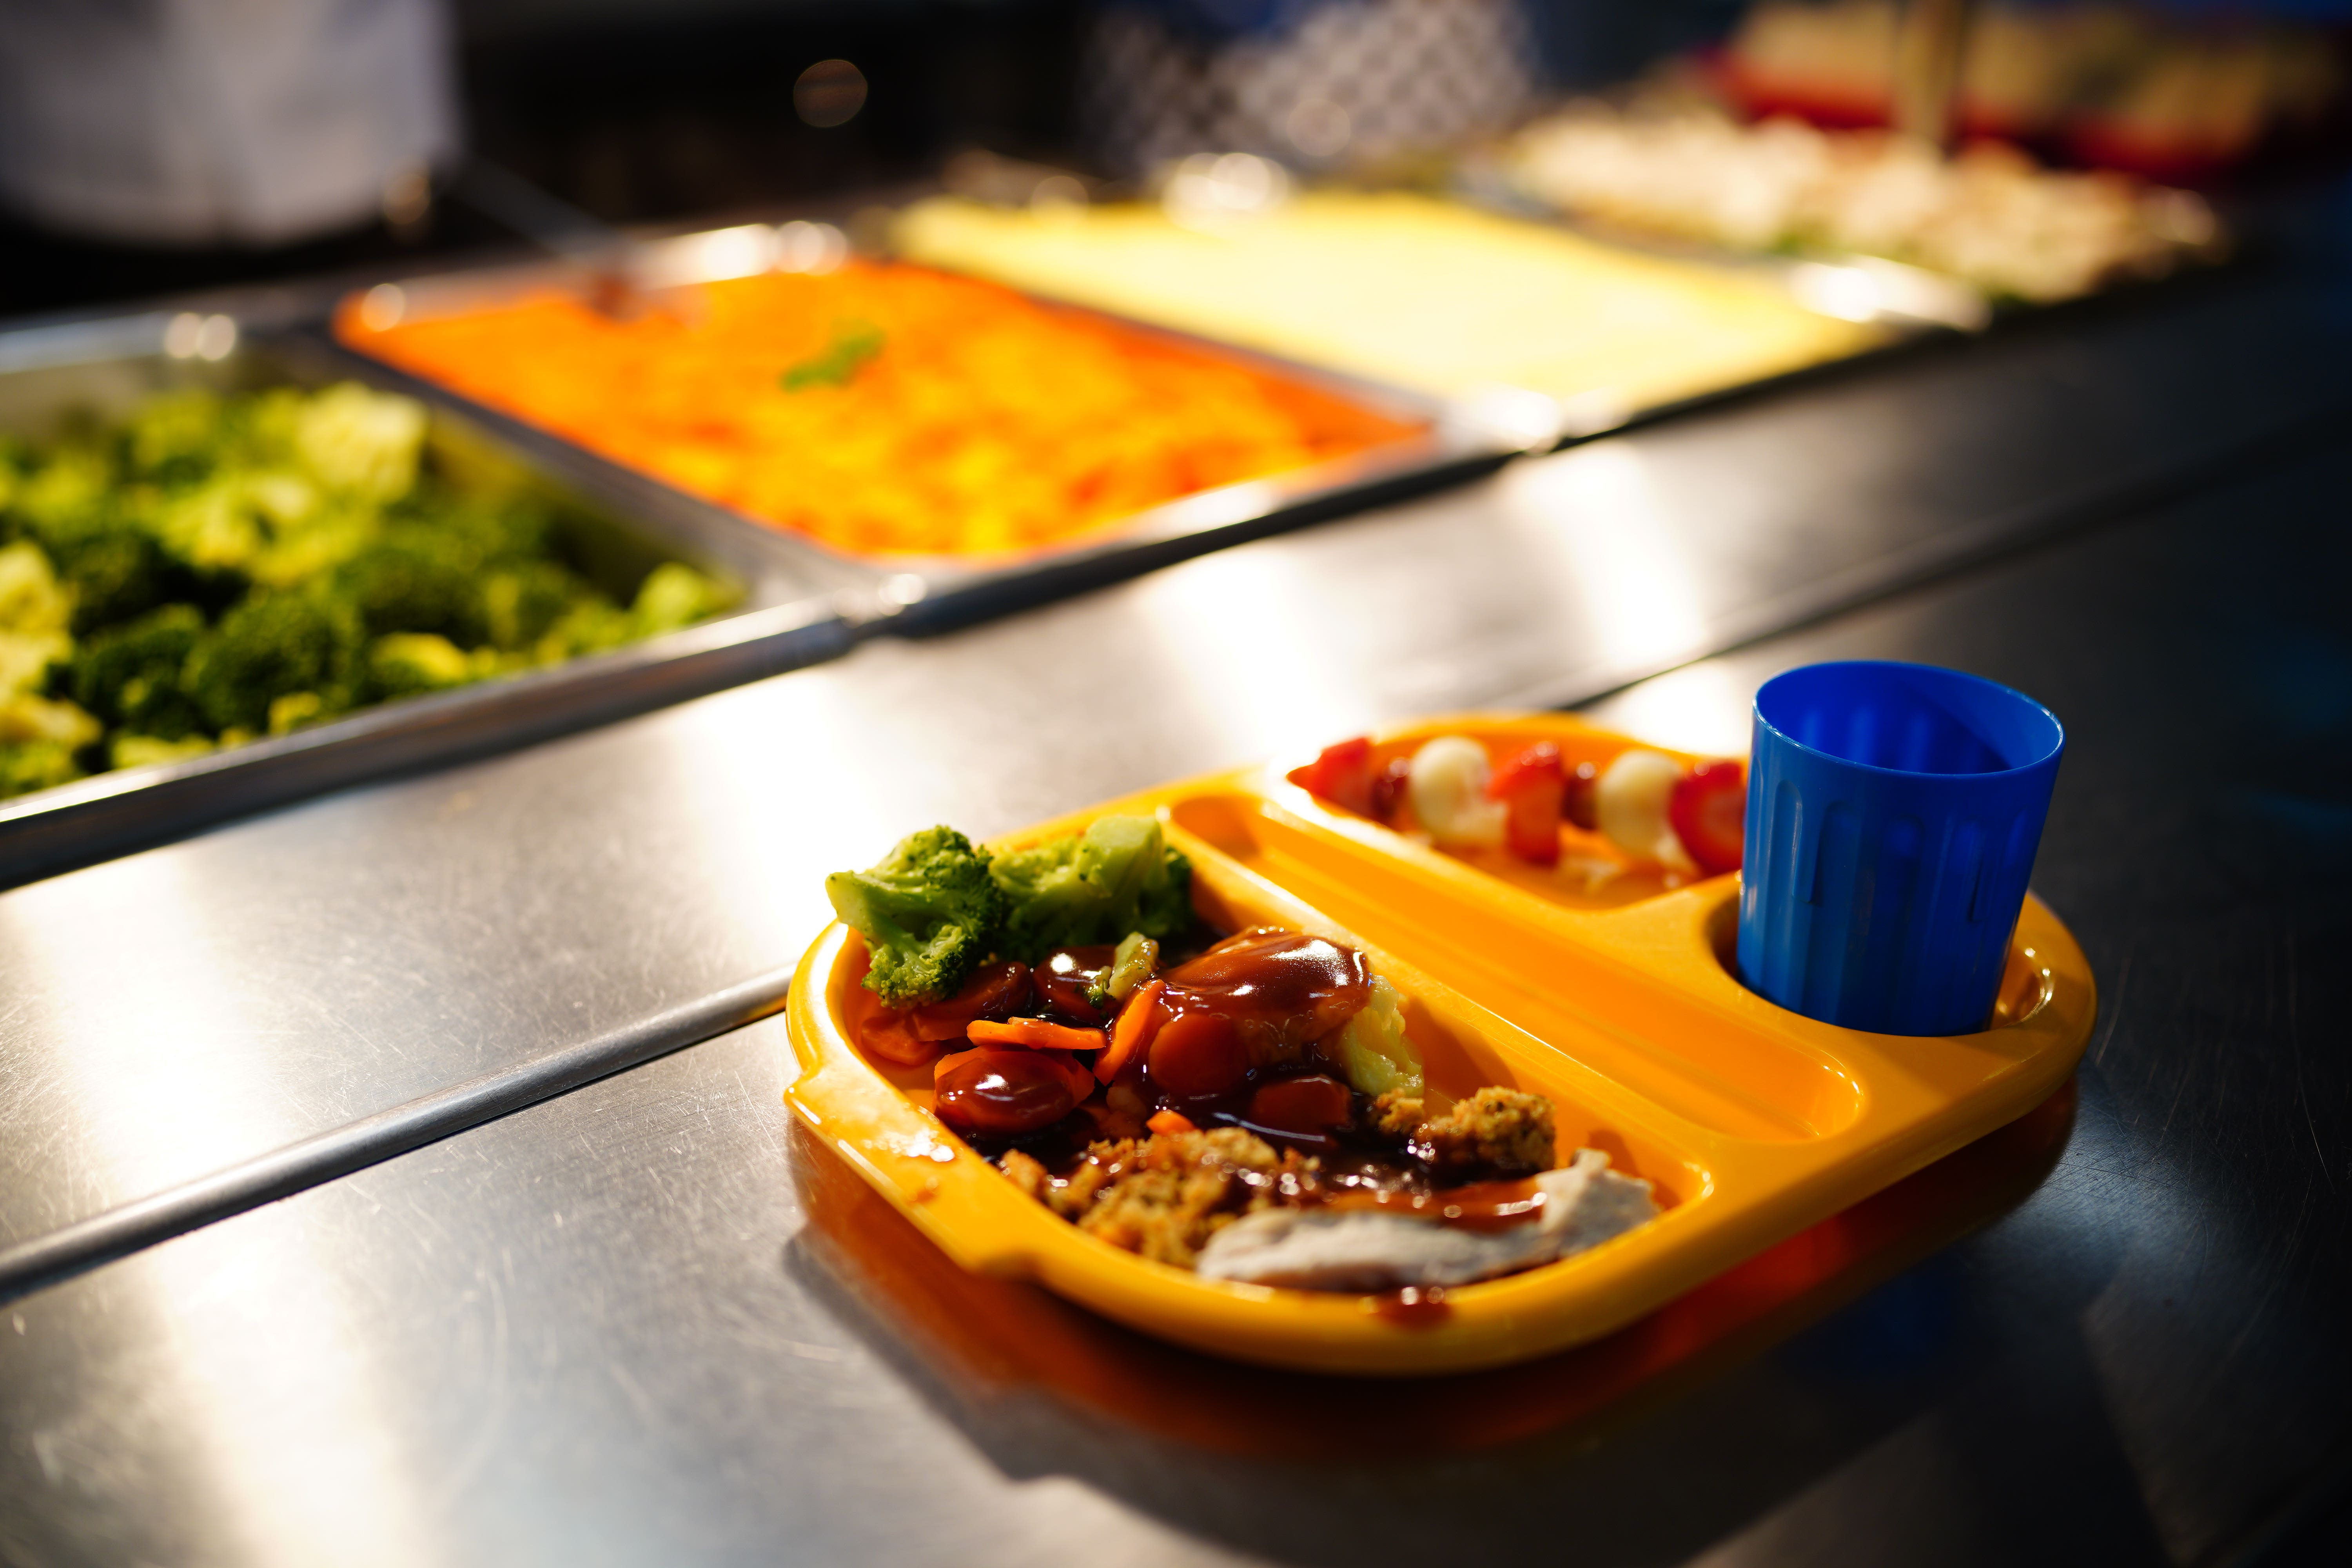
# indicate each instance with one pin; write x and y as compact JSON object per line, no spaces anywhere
{"x":646,"y":1321}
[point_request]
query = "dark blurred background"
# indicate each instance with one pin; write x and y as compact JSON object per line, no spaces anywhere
{"x":641,"y":110}
{"x":637,"y":111}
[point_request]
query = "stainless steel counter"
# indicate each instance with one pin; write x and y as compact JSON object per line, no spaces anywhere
{"x":648,"y":1322}
{"x":194,"y":1029}
{"x":630,"y":1324}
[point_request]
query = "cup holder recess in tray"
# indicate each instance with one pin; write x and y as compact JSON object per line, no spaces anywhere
{"x":1636,"y":1029}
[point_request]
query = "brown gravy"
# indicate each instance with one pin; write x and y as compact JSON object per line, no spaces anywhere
{"x":1478,"y":1206}
{"x":1413,"y":1306}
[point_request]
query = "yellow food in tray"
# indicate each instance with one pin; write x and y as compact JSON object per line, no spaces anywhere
{"x":1407,"y":289}
{"x":883,"y":409}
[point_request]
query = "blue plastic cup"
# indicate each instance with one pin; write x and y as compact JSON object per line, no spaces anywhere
{"x":1893,"y":815}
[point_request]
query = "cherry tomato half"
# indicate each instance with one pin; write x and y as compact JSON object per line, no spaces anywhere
{"x":887,"y":1035}
{"x":1064,"y":977}
{"x":1309,"y":1104}
{"x":1342,"y":774}
{"x":994,"y":1093}
{"x":1708,"y":810}
{"x":1197,"y":1055}
{"x":994,"y":990}
{"x":1531,"y":785}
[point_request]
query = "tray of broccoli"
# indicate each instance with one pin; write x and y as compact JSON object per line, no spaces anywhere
{"x":232,"y":574}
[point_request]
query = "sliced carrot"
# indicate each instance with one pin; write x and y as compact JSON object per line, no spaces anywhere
{"x":1170,"y":1121}
{"x":1138,"y":1022}
{"x":1035,"y":1033}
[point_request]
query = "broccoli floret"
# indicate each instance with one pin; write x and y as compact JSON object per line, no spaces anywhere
{"x":67,"y":492}
{"x":35,"y":764}
{"x":297,"y":553}
{"x":175,"y":438}
{"x":139,"y":750}
{"x":31,"y":598}
{"x":129,"y":675}
{"x":674,"y":596}
{"x":273,"y":646}
{"x":210,"y":528}
{"x":517,"y":529}
{"x":592,"y":624}
{"x":929,"y":914}
{"x":117,"y":573}
{"x":416,"y":580}
{"x":361,"y":443}
{"x":406,"y":664}
{"x":1119,"y":877}
{"x":522,"y":603}
{"x":25,"y":718}
{"x":29,"y":661}
{"x":296,"y":709}
{"x":35,"y":610}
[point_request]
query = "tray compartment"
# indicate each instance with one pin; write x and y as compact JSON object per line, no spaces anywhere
{"x":1578,"y":743}
{"x":878,"y":1118}
{"x":1576,"y":999}
{"x":1465,"y":1049}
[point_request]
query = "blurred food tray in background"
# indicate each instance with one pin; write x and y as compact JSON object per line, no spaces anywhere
{"x":1401,"y":287}
{"x":1988,"y":219}
{"x":194,"y":531}
{"x":947,"y":441}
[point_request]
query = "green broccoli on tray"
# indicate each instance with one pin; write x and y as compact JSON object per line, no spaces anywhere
{"x":938,"y":905}
{"x":212,"y":569}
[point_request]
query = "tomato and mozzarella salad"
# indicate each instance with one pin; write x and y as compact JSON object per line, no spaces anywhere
{"x":1526,"y":799}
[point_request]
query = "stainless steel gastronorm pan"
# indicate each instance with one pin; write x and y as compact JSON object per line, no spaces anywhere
{"x":789,"y":615}
{"x":1460,"y":439}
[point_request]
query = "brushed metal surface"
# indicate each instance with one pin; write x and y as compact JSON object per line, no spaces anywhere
{"x":646,"y":1322}
{"x":177,"y":1015}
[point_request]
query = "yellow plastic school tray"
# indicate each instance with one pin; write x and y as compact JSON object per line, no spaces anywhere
{"x":1614,"y":999}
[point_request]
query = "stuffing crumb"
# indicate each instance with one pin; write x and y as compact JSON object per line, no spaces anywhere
{"x":1495,"y":1134}
{"x":1164,"y":1197}
{"x":1397,"y":1114}
{"x":1025,"y":1171}
{"x":1072,"y":1196}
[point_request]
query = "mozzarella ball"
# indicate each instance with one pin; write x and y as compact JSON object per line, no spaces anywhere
{"x":1630,"y":799}
{"x":1447,"y":786}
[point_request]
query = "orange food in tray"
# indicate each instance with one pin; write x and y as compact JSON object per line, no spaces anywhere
{"x":883,"y":408}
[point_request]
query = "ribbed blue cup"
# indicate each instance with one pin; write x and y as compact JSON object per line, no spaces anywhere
{"x":1893,"y":815}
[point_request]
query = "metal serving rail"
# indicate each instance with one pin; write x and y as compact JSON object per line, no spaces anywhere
{"x":643,"y":1322}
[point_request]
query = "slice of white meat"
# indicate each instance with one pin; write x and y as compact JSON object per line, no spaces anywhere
{"x":1585,"y":1204}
